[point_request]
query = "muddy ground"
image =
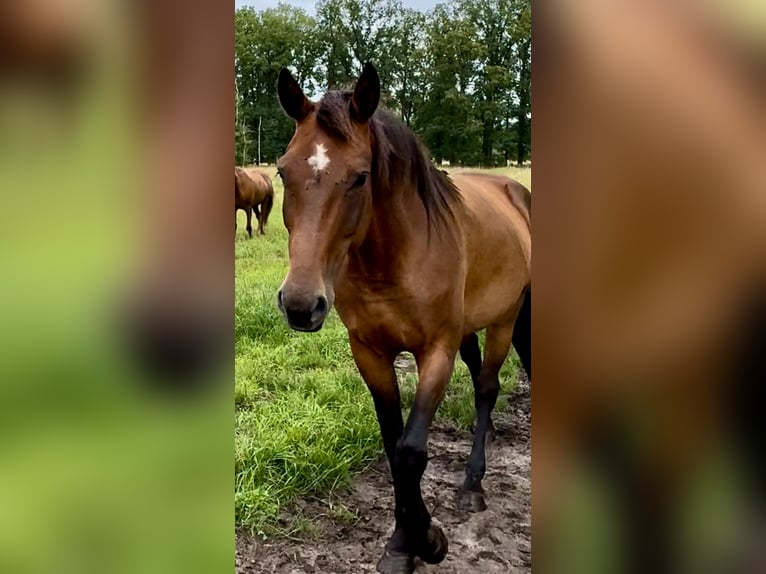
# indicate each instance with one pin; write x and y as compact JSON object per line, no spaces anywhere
{"x":354,"y":527}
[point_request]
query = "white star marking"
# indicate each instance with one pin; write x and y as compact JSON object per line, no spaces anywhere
{"x":319,"y":160}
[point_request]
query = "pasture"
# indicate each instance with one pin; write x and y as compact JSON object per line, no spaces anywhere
{"x":305,"y":424}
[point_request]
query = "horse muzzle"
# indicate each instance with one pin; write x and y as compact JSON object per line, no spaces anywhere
{"x":302,"y":312}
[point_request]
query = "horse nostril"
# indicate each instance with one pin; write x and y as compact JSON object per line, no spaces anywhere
{"x":320,"y":307}
{"x":304,"y":313}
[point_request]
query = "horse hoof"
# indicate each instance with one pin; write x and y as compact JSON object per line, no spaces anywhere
{"x":396,"y":563}
{"x":471,"y":500}
{"x":436,"y":545}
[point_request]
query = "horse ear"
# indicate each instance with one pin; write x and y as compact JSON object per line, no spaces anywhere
{"x":366,"y":94}
{"x":291,"y":97}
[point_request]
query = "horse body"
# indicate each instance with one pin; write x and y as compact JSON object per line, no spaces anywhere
{"x":401,"y":299}
{"x":498,"y":250}
{"x":412,"y":260}
{"x":252,"y":188}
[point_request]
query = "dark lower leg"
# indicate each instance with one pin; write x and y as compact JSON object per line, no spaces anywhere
{"x":258,"y":218}
{"x":261,"y":217}
{"x":398,"y":557}
{"x":410,"y":460}
{"x":470,"y":352}
{"x":522,"y":333}
{"x":471,"y":355}
{"x":486,"y":388}
{"x":414,"y":535}
{"x":249,"y":213}
{"x":389,"y":412}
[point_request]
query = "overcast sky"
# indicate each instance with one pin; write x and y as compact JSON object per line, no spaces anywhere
{"x":308,"y":5}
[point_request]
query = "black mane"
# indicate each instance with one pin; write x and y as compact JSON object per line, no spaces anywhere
{"x":398,"y":155}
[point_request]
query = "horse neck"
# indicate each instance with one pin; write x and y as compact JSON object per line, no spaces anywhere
{"x":398,"y":225}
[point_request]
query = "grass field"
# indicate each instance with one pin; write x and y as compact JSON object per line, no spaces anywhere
{"x":304,"y":418}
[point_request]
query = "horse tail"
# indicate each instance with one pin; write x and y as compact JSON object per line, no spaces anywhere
{"x":522,"y":333}
{"x":268,"y":202}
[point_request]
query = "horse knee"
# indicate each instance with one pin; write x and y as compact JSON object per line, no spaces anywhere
{"x":410,"y":459}
{"x":487,"y":387}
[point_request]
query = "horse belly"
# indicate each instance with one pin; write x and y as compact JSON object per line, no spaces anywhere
{"x":496,"y":303}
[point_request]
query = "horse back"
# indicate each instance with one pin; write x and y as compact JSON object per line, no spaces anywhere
{"x":259,"y":178}
{"x":252,"y":185}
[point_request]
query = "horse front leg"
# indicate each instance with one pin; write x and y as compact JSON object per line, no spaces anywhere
{"x":377,"y":370}
{"x":414,"y":533}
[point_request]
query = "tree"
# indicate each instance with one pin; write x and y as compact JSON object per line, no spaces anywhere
{"x":524,"y":91}
{"x":446,"y":117}
{"x":406,"y":55}
{"x":459,"y":75}
{"x":354,"y":32}
{"x":501,"y":27}
{"x":265,"y":42}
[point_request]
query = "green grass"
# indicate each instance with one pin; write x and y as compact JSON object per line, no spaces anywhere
{"x":521,"y":174}
{"x":304,"y":419}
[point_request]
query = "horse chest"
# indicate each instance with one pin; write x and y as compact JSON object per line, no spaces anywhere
{"x":387,"y":321}
{"x":394,"y":318}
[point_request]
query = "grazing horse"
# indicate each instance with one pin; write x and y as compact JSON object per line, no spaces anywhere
{"x":251,"y":189}
{"x":413,"y":261}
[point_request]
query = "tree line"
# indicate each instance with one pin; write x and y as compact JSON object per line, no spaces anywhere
{"x":459,"y":75}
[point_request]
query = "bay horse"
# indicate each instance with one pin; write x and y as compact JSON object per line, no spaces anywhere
{"x":412,"y":260}
{"x":252,"y":188}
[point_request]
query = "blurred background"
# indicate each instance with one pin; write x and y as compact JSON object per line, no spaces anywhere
{"x":650,"y":211}
{"x":116,"y":305}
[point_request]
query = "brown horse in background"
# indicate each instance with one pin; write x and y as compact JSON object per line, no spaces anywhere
{"x":413,"y":260}
{"x":252,"y":188}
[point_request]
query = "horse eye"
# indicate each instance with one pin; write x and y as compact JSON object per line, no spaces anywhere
{"x":360,"y":180}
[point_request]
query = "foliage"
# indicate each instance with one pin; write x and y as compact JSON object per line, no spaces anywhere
{"x":459,"y":75}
